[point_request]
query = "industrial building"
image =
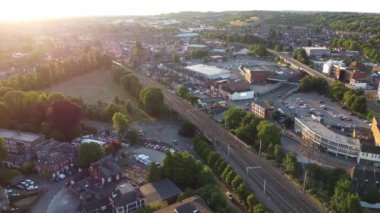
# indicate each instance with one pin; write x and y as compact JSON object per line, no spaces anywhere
{"x":324,"y":138}
{"x":316,"y":51}
{"x":209,"y":72}
{"x":17,"y":142}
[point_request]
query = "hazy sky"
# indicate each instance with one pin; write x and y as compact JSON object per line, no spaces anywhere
{"x":32,"y":9}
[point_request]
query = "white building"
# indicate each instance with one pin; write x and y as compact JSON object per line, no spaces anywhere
{"x":89,"y":140}
{"x":235,"y":90}
{"x":243,"y":51}
{"x":190,"y":47}
{"x":325,"y":139}
{"x":316,"y":51}
{"x":210,"y":72}
{"x":330,"y":65}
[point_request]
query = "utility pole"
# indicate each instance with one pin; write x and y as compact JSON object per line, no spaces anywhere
{"x":260,"y":148}
{"x":265,"y":184}
{"x":228,"y":152}
{"x":304,"y":181}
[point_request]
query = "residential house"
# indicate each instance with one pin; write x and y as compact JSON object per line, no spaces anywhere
{"x":358,"y":80}
{"x":106,"y":170}
{"x":162,"y":190}
{"x":17,"y":142}
{"x":189,"y":205}
{"x":126,"y":199}
{"x":54,"y":157}
{"x":262,"y":109}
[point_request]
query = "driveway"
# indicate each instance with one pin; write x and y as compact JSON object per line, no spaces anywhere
{"x":54,"y":191}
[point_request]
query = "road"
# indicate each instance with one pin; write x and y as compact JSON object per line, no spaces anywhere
{"x":284,"y":196}
{"x":371,"y":105}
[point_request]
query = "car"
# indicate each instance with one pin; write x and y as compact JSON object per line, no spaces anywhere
{"x":29,"y":181}
{"x":229,"y":196}
{"x":279,"y":96}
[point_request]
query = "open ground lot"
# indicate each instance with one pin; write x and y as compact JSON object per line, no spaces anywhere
{"x":96,"y":86}
{"x":303,"y":104}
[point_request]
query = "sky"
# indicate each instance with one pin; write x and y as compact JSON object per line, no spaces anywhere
{"x":42,"y":9}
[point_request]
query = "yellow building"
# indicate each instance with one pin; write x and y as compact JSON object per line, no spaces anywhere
{"x":375,"y":128}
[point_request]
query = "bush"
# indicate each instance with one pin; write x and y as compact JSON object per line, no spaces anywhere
{"x":187,"y":130}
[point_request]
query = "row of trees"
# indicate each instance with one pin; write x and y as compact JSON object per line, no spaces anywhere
{"x":192,"y":176}
{"x":199,"y":53}
{"x":368,"y":48}
{"x":252,"y":130}
{"x":227,"y":174}
{"x":53,"y":114}
{"x":258,"y":50}
{"x":57,"y":71}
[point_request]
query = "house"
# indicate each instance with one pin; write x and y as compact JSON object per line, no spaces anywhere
{"x":162,"y":190}
{"x":257,"y":75}
{"x":262,"y":109}
{"x":375,"y":128}
{"x":358,"y":80}
{"x":214,"y":102}
{"x":106,"y":170}
{"x":374,"y":79}
{"x":14,"y":161}
{"x":17,"y":142}
{"x":54,"y":157}
{"x":189,"y":205}
{"x":125,"y":199}
{"x":235,"y":90}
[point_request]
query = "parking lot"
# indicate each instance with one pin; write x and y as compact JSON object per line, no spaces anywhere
{"x":320,"y":107}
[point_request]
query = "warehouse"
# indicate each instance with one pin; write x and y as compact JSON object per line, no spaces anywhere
{"x":210,"y":72}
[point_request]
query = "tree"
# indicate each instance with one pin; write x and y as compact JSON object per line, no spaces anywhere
{"x":182,"y":91}
{"x":64,"y":116}
{"x":269,"y":134}
{"x":187,"y":130}
{"x":89,"y":153}
{"x":212,"y":157}
{"x":278,"y":155}
{"x":290,"y":164}
{"x":259,"y":208}
{"x":3,"y":151}
{"x":343,"y":199}
{"x":233,"y":117}
{"x":175,"y":58}
{"x":251,"y":201}
{"x":132,"y":136}
{"x":155,"y":173}
{"x":120,"y":123}
{"x":235,"y":183}
{"x":301,"y":56}
{"x":359,"y":104}
{"x":27,"y":167}
{"x":152,"y":100}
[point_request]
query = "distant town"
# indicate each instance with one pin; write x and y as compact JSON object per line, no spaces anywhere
{"x":250,"y":111}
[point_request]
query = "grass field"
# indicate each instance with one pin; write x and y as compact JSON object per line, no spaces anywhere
{"x":97,"y":86}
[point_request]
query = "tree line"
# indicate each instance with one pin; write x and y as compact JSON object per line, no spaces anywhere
{"x":369,"y":48}
{"x":227,"y":175}
{"x":56,"y":71}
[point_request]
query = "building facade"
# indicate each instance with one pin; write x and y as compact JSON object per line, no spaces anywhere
{"x":325,"y":139}
{"x":17,"y":142}
{"x":375,"y":128}
{"x":262,"y":109}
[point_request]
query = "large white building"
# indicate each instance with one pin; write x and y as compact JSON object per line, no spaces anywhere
{"x":316,"y":51}
{"x":324,"y":138}
{"x":210,"y":72}
{"x":331,"y":65}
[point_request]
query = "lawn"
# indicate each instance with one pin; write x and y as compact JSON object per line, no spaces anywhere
{"x":97,"y":86}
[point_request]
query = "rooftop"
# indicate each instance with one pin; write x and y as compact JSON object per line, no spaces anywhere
{"x":20,"y":136}
{"x":188,"y":205}
{"x":327,"y":133}
{"x":370,"y":149}
{"x":159,"y":190}
{"x":208,"y":70}
{"x":263,"y":104}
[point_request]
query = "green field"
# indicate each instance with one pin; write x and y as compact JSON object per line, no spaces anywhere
{"x":97,"y":86}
